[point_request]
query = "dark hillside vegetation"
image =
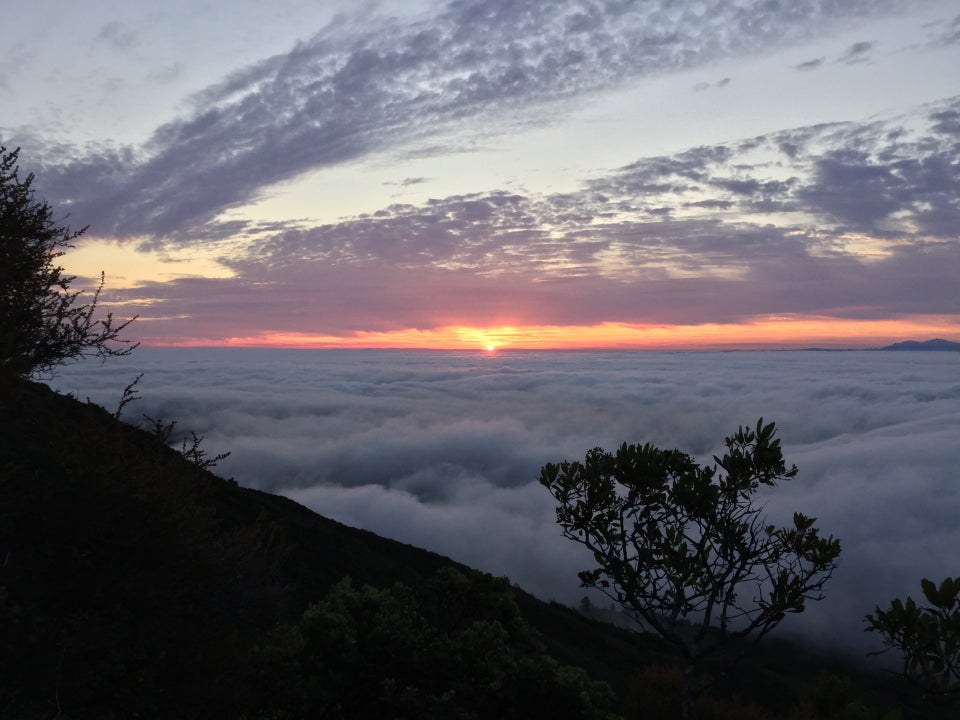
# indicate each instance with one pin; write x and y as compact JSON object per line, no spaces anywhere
{"x":135,"y":584}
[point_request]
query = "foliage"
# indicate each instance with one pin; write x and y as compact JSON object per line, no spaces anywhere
{"x":657,"y":691}
{"x":42,"y":324}
{"x":834,"y":698}
{"x":683,"y":548}
{"x":456,"y":648}
{"x":190,"y":449}
{"x":928,"y":636}
{"x":135,"y":584}
{"x":124,"y":570}
{"x":162,"y":430}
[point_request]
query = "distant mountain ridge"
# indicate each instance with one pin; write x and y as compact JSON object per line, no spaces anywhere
{"x":935,"y":344}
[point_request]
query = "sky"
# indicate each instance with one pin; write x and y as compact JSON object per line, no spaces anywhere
{"x":443,"y":449}
{"x":490,"y":173}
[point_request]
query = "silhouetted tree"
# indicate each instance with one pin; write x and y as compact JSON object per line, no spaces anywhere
{"x":457,"y":648}
{"x":683,"y":548}
{"x":42,"y":322}
{"x":927,"y":637}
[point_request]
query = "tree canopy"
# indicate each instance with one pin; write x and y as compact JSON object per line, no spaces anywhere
{"x":927,"y":636}
{"x":43,"y":323}
{"x":684,"y":549}
{"x":455,"y":648}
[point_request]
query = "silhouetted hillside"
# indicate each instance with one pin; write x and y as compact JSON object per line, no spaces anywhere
{"x":136,"y":584}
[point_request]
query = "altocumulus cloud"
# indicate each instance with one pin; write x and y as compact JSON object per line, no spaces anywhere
{"x":442,"y":449}
{"x":854,"y":220}
{"x":844,"y":220}
{"x":362,"y":86}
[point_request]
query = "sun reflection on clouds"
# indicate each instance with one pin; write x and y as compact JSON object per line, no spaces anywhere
{"x":129,"y":266}
{"x":773,"y":331}
{"x":859,"y":245}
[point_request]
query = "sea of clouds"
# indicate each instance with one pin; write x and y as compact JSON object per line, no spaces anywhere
{"x":442,"y":449}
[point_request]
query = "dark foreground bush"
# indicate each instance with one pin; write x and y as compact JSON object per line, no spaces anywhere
{"x":456,"y":648}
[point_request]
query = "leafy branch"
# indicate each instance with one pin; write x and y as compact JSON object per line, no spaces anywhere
{"x":161,"y":429}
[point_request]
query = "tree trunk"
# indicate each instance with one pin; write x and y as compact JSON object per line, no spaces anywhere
{"x":689,"y":692}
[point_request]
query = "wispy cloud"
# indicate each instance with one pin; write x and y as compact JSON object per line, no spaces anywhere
{"x":811,"y":64}
{"x":407,"y":182}
{"x":857,"y":53}
{"x":117,"y":35}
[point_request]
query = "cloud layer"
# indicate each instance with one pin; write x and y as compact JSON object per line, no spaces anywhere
{"x":442,"y":449}
{"x":362,"y":85}
{"x":848,"y":220}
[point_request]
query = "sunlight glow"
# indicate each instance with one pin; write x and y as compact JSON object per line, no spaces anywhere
{"x":128,"y":266}
{"x":771,"y":332}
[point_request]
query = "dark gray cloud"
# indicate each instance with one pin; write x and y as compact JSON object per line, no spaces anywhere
{"x":701,"y":86}
{"x":407,"y":182}
{"x":949,"y":34}
{"x":442,"y":449}
{"x":117,"y":35}
{"x":363,"y":85}
{"x":946,"y":122}
{"x":810,"y":64}
{"x":881,"y":180}
{"x":857,"y":53}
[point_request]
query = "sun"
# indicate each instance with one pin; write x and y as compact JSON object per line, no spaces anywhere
{"x":491,"y":348}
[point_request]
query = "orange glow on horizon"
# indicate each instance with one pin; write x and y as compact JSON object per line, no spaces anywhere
{"x":773,"y":333}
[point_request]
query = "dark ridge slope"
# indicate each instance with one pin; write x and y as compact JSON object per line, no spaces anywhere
{"x":136,"y":584}
{"x":130,"y":574}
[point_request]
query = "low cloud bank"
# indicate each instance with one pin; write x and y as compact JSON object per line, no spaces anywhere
{"x":442,"y":450}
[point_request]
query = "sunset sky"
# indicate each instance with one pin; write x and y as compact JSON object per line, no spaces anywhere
{"x":500,"y":174}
